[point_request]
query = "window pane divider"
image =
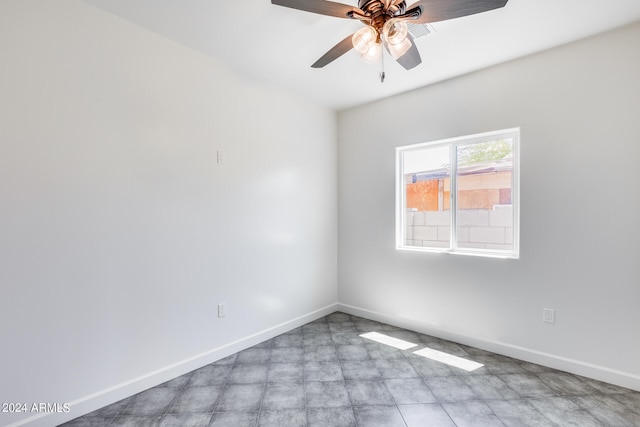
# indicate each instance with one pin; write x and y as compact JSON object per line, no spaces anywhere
{"x":453,"y":199}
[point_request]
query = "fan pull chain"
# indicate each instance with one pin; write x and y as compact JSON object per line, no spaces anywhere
{"x":382,"y":75}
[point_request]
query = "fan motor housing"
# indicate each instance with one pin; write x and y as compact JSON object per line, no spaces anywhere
{"x":376,"y":8}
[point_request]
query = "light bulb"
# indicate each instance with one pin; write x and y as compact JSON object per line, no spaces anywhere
{"x":364,"y":38}
{"x":397,"y":50}
{"x":395,"y":31}
{"x":372,"y":55}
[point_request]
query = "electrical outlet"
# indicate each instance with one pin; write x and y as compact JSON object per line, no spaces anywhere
{"x":222,"y":309}
{"x":549,"y":315}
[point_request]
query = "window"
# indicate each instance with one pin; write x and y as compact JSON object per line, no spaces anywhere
{"x":460,"y":195}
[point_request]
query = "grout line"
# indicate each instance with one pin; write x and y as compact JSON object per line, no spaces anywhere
{"x":222,"y":387}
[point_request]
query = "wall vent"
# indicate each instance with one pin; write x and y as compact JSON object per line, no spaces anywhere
{"x":419,"y":30}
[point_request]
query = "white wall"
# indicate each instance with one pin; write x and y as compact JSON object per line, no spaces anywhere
{"x":578,"y":108}
{"x":119,"y":232}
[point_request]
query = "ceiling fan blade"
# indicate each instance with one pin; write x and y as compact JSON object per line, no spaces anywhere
{"x":411,"y":58}
{"x":426,"y":11}
{"x":321,"y":7}
{"x":335,"y":52}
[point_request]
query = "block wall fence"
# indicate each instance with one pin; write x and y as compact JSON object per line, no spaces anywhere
{"x":477,"y":228}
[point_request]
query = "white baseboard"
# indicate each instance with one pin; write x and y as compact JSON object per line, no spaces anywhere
{"x":600,"y":373}
{"x":102,"y":398}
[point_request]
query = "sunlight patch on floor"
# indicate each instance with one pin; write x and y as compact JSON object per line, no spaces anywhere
{"x":449,"y":359}
{"x":391,"y":341}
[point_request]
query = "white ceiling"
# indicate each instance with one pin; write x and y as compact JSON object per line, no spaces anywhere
{"x":277,"y":45}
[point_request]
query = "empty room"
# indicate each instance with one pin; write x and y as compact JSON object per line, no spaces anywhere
{"x":312,"y":213}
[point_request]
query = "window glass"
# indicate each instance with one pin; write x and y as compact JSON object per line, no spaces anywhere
{"x":484,"y":206}
{"x":426,"y":175}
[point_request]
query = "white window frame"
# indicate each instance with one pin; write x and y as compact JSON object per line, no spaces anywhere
{"x":453,"y":143}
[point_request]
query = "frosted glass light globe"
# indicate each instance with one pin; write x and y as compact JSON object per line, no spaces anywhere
{"x":395,"y":31}
{"x":373,"y":54}
{"x":364,"y":38}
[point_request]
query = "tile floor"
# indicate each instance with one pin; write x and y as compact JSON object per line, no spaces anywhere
{"x":324,"y":374}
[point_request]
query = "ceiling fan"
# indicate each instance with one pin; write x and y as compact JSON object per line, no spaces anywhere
{"x":386,"y":25}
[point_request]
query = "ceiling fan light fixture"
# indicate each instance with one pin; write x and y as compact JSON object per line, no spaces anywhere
{"x":372,"y":55}
{"x":395,"y":31}
{"x":388,"y":22}
{"x":364,"y":38}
